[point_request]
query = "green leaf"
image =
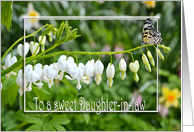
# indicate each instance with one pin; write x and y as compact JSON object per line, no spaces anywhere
{"x":9,"y":91}
{"x":47,"y":127}
{"x":6,"y":13}
{"x":32,"y":105}
{"x":9,"y":82}
{"x":40,"y":93}
{"x":59,"y":127}
{"x":29,"y":117}
{"x":35,"y":127}
{"x":86,"y":117}
{"x":60,"y":31}
{"x":60,"y":119}
{"x":40,"y":127}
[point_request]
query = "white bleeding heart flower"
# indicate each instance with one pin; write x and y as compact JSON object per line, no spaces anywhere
{"x":110,"y":72}
{"x":43,"y":40}
{"x":1,"y":85}
{"x":20,"y":49}
{"x":9,"y":61}
{"x":98,"y":69}
{"x":51,"y":73}
{"x":134,"y":67}
{"x":20,"y":82}
{"x":62,"y":65}
{"x":70,"y":61}
{"x":89,"y":70}
{"x":33,"y":75}
{"x":33,"y":47}
{"x":122,"y":68}
{"x":76,"y":72}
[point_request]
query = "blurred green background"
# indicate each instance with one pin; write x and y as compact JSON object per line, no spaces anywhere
{"x":100,"y":35}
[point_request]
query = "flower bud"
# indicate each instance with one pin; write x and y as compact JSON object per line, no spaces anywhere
{"x":165,"y":49}
{"x":160,"y":54}
{"x":151,"y":58}
{"x":55,"y":31}
{"x":122,"y":68}
{"x":136,"y":77}
{"x":146,"y":62}
{"x":50,"y":37}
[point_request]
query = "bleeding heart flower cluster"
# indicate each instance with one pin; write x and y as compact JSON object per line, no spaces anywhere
{"x":80,"y":72}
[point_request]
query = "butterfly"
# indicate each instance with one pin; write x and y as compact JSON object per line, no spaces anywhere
{"x":149,"y":34}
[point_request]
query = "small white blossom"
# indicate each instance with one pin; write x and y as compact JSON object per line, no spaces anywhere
{"x":33,"y":75}
{"x":20,"y":49}
{"x":98,"y":69}
{"x":122,"y":68}
{"x":43,"y":40}
{"x":89,"y":70}
{"x":9,"y":62}
{"x":51,"y":73}
{"x":110,"y":72}
{"x":62,"y":65}
{"x":70,"y":61}
{"x":134,"y":67}
{"x":20,"y":82}
{"x":33,"y":47}
{"x":76,"y":72}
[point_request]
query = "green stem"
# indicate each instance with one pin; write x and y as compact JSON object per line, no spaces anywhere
{"x":131,"y":56}
{"x":141,"y":50}
{"x":110,"y":59}
{"x":19,"y":126}
{"x":20,"y":39}
{"x":19,"y":64}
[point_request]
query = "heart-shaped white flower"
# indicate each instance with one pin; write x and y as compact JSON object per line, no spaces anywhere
{"x":20,"y":49}
{"x":33,"y":47}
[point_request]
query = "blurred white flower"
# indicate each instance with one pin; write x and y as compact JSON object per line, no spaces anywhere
{"x":20,"y":49}
{"x":122,"y":68}
{"x":33,"y":47}
{"x":20,"y":82}
{"x":98,"y":69}
{"x":9,"y":62}
{"x":31,"y":13}
{"x":110,"y":72}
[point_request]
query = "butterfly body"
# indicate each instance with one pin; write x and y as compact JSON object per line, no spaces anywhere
{"x":149,"y":34}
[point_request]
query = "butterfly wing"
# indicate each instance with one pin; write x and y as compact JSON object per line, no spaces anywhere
{"x":149,"y":34}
